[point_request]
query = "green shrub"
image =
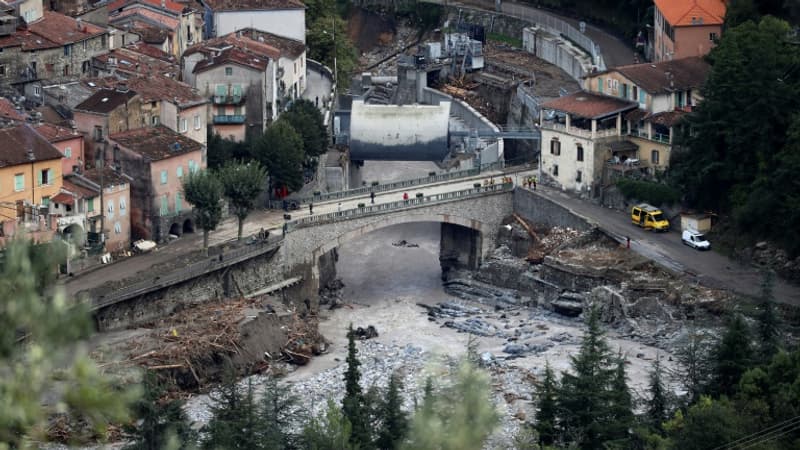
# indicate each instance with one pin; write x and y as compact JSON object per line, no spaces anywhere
{"x":648,"y":191}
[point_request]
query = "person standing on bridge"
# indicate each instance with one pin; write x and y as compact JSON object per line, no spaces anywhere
{"x":372,"y":197}
{"x":310,"y":208}
{"x":405,"y":196}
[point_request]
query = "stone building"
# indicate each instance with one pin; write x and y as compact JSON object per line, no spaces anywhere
{"x":157,"y":159}
{"x":106,"y":112}
{"x":154,"y":20}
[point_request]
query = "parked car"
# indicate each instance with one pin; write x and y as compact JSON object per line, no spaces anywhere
{"x":649,"y":217}
{"x":695,"y":239}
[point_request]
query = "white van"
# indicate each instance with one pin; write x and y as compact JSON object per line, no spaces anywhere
{"x":695,"y":239}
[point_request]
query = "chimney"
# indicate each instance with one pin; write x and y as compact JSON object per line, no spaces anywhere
{"x":163,"y":3}
{"x":78,"y":23}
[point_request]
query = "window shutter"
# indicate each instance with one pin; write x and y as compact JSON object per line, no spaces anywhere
{"x":39,"y":178}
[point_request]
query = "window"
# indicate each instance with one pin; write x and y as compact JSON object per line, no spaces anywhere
{"x":37,"y":91}
{"x":228,"y":71}
{"x":635,"y":91}
{"x":600,"y":85}
{"x":642,"y":97}
{"x":98,"y":133}
{"x":155,"y":120}
{"x":184,"y":125}
{"x":555,"y":147}
{"x":580,"y":153}
{"x":163,"y":177}
{"x":2,"y":70}
{"x":45,"y":177}
{"x":103,"y":41}
{"x":295,"y":68}
{"x":197,"y":121}
{"x":122,"y":206}
{"x":712,"y":37}
{"x":555,"y":170}
{"x":164,"y":205}
{"x":67,"y":49}
{"x":179,"y":172}
{"x":84,"y":45}
{"x":66,"y":70}
{"x":616,"y":85}
{"x":68,"y":152}
{"x":45,"y":200}
{"x":117,"y":228}
{"x":192,"y":166}
{"x":110,"y":206}
{"x":578,"y":176}
{"x":178,"y":202}
{"x":90,"y":205}
{"x":19,"y":182}
{"x":608,"y":84}
{"x":654,"y":157}
{"x":85,"y":67}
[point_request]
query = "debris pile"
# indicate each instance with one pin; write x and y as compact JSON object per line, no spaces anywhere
{"x":304,"y":340}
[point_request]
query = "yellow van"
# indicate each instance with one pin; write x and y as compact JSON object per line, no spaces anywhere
{"x":649,"y":217}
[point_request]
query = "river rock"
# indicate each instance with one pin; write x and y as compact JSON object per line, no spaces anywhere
{"x":569,"y":304}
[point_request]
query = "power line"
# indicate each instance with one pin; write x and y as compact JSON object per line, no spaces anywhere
{"x":769,"y":438}
{"x":746,"y":440}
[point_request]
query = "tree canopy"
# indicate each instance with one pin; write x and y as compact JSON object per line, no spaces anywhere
{"x":280,"y":150}
{"x":242,"y":183}
{"x":204,"y":191}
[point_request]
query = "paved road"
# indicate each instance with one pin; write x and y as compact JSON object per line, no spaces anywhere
{"x":709,"y":268}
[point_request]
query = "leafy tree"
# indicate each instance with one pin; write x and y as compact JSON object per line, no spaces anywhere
{"x":394,"y":421}
{"x":242,"y":183}
{"x":38,"y":358}
{"x":163,"y":424}
{"x":328,"y":42}
{"x":221,"y":150}
{"x":769,"y":329}
{"x":694,"y":370}
{"x":657,"y":407}
{"x":546,"y":416}
{"x":584,"y":395}
{"x":280,"y":150}
{"x":353,"y":404}
{"x":331,"y":433}
{"x":204,"y":191}
{"x":279,"y":418}
{"x":732,"y":357}
{"x":460,"y":418}
{"x":234,"y":423}
{"x":738,"y":12}
{"x":706,"y":425}
{"x":307,"y":120}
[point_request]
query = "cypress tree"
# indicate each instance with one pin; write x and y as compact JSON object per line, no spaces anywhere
{"x":620,"y":406}
{"x":583,"y":398}
{"x":233,"y":421}
{"x":733,"y":356}
{"x":353,"y":404}
{"x":547,"y":392}
{"x":695,"y":369}
{"x":332,"y":432}
{"x":279,"y":416}
{"x":160,"y":422}
{"x":394,"y":421}
{"x":657,"y":405}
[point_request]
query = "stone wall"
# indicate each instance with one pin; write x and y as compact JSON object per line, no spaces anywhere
{"x":537,"y":209}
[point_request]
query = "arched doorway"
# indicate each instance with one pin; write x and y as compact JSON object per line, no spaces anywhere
{"x":74,"y":234}
{"x":188,"y":226}
{"x":175,"y":229}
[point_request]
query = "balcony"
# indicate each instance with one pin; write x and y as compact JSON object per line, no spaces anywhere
{"x":581,"y":132}
{"x":229,"y":120}
{"x":228,"y":99}
{"x":658,"y":137}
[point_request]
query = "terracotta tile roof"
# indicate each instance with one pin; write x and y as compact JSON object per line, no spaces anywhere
{"x":636,"y":115}
{"x":144,"y":18}
{"x":666,"y":118}
{"x":289,"y":48}
{"x":22,"y":145}
{"x":110,"y":176}
{"x":129,"y":60}
{"x":55,"y":133}
{"x":238,"y":5}
{"x":62,"y":198}
{"x":149,"y":50}
{"x":52,"y":30}
{"x":169,"y":5}
{"x":74,"y":184}
{"x":684,"y":74}
{"x":8,"y":111}
{"x":692,"y":12}
{"x":155,"y":87}
{"x":243,"y":43}
{"x":589,"y":105}
{"x":104,"y":101}
{"x":233,"y":55}
{"x":156,"y":143}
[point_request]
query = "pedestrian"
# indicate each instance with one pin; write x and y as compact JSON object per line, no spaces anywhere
{"x":311,"y":208}
{"x":405,"y":196}
{"x":285,"y":228}
{"x":372,"y":197}
{"x":627,"y":242}
{"x":317,"y":101}
{"x":339,"y":207}
{"x":534,"y":183}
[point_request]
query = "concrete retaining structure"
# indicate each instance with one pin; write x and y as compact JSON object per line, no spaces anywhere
{"x":537,"y":209}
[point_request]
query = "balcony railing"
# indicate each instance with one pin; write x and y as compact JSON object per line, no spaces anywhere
{"x":575,"y":131}
{"x":228,"y":99}
{"x":658,"y":137}
{"x":229,"y":119}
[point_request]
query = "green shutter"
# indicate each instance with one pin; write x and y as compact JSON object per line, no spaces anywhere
{"x":163,"y":177}
{"x":164,"y":205}
{"x":179,"y":171}
{"x":90,"y":205}
{"x":600,"y":85}
{"x":39,"y":178}
{"x":221,"y":90}
{"x":178,"y":203}
{"x":19,"y":182}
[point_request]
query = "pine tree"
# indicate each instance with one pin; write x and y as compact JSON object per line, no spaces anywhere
{"x":769,"y":328}
{"x":583,"y":398}
{"x":161,"y":423}
{"x":732,"y":357}
{"x":694,"y":371}
{"x":353,"y":405}
{"x":620,"y":408}
{"x":233,"y":422}
{"x":657,"y":405}
{"x":547,"y":393}
{"x":279,"y":418}
{"x":394,"y":421}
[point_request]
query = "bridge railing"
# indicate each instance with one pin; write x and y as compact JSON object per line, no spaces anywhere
{"x":365,"y":190}
{"x":188,"y":272}
{"x":401,"y":204}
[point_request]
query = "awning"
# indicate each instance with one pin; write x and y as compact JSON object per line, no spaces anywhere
{"x":63,"y":198}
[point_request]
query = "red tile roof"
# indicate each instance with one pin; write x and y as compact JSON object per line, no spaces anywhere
{"x":156,"y":143}
{"x":81,"y":190}
{"x":168,"y":4}
{"x":110,"y":176}
{"x":239,"y":5}
{"x":55,"y":133}
{"x":52,"y":30}
{"x":155,"y":87}
{"x":289,"y":48}
{"x":233,"y":56}
{"x":692,"y":12}
{"x":157,"y":19}
{"x":22,"y":145}
{"x":243,"y":43}
{"x":8,"y":111}
{"x":589,"y":105}
{"x":667,"y":76}
{"x":63,"y":198}
{"x":130,"y":61}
